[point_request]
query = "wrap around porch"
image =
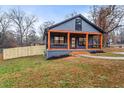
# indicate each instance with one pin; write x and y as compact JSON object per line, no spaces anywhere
{"x":67,"y":40}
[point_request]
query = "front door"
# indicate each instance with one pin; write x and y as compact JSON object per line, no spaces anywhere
{"x":73,"y":42}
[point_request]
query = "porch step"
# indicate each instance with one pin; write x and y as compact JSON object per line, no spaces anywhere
{"x":96,"y":51}
{"x":79,"y":52}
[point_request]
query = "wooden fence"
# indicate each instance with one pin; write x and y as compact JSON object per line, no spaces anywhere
{"x":1,"y":56}
{"x":23,"y":51}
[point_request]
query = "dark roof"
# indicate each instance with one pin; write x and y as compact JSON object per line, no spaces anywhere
{"x":79,"y":15}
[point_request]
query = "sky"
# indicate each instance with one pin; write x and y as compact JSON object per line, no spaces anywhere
{"x":46,"y":13}
{"x":50,"y":12}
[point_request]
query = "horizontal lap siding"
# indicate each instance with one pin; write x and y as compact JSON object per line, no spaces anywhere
{"x":56,"y":53}
{"x":70,"y":25}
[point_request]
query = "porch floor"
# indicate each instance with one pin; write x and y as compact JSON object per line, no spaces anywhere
{"x":76,"y":50}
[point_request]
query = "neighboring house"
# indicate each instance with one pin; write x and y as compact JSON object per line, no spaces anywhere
{"x":74,"y":34}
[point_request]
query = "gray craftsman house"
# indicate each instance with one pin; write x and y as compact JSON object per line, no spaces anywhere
{"x":74,"y":34}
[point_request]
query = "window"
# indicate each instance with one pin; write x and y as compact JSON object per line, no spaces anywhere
{"x":61,"y":40}
{"x":82,"y":41}
{"x":78,"y":24}
{"x":58,"y":40}
{"x":94,"y":41}
{"x":73,"y":42}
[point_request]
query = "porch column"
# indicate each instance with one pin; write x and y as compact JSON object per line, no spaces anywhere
{"x":86,"y":40}
{"x":48,"y":40}
{"x":68,"y":40}
{"x":101,"y":41}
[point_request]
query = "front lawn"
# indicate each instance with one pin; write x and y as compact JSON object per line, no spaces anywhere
{"x":64,"y":72}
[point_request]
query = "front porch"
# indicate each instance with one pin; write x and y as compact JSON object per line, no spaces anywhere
{"x":68,"y":40}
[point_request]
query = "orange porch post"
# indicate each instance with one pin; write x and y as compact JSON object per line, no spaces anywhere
{"x":101,"y":41}
{"x":86,"y":40}
{"x":68,"y":40}
{"x":48,"y":40}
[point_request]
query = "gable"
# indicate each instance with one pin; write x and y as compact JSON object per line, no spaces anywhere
{"x":87,"y":27}
{"x":70,"y":25}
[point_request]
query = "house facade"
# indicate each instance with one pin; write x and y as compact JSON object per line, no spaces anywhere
{"x":74,"y":34}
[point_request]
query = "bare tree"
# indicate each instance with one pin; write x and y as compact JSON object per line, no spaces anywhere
{"x":9,"y":41}
{"x":29,"y":26}
{"x":33,"y":38}
{"x":109,"y":18}
{"x":71,"y":15}
{"x":121,"y":35}
{"x":22,"y":22}
{"x":5,"y":23}
{"x":43,"y":26}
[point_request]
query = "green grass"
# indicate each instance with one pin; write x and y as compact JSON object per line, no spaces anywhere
{"x":36,"y":71}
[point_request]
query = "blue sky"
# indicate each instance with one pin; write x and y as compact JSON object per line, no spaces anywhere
{"x":51,"y":12}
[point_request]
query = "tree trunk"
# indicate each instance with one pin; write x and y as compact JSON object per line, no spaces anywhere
{"x":21,"y":40}
{"x":106,"y":40}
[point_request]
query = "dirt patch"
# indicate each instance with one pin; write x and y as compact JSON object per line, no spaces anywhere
{"x":76,"y":53}
{"x":69,"y":58}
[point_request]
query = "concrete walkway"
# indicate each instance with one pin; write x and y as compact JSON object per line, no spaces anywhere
{"x":118,"y":53}
{"x":101,"y":57}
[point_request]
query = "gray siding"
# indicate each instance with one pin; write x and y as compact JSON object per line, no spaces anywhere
{"x":56,"y":53}
{"x":70,"y":25}
{"x":87,"y":27}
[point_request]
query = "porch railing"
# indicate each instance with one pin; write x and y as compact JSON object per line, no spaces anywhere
{"x":94,"y":46}
{"x":63,"y":45}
